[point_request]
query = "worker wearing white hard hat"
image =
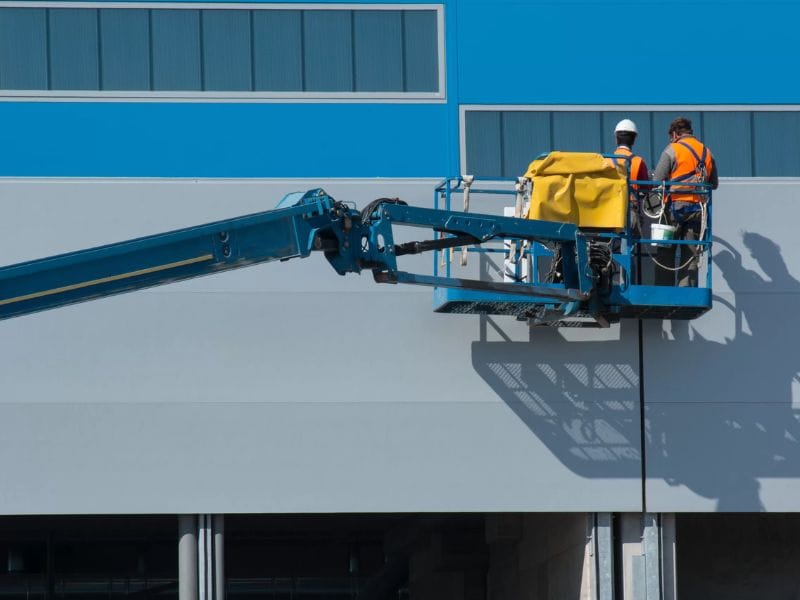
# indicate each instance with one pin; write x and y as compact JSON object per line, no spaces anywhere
{"x":625,"y":134}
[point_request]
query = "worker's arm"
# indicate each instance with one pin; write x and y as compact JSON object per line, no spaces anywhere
{"x":665,"y":164}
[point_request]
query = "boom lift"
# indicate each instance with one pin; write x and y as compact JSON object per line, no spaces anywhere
{"x":586,"y":290}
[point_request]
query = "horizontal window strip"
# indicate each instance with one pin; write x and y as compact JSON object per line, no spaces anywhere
{"x":72,"y":52}
{"x":745,"y":143}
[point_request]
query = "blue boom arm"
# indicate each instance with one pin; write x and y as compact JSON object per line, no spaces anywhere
{"x":352,"y":241}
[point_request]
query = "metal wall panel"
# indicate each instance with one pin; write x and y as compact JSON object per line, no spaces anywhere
{"x":484,"y":144}
{"x":176,"y":50}
{"x":525,"y":135}
{"x":723,"y":401}
{"x":286,"y":408}
{"x":23,"y":49}
{"x":378,"y":47}
{"x":728,"y":135}
{"x":278,"y":50}
{"x":577,"y":131}
{"x":226,"y":50}
{"x":74,"y":49}
{"x":328,"y":36}
{"x":421,"y":51}
{"x":125,"y":49}
{"x":776,"y":139}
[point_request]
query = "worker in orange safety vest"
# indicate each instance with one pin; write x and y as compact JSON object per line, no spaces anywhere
{"x":625,"y":134}
{"x":688,"y":160}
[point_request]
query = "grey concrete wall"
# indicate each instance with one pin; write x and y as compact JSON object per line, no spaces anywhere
{"x":286,"y":388}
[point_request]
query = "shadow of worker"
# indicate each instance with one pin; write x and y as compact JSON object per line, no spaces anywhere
{"x":719,"y":414}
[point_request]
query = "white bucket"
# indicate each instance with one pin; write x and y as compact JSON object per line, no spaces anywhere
{"x":660,"y":231}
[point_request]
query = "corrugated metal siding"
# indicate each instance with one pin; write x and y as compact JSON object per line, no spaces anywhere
{"x":328,"y":36}
{"x":520,"y":131}
{"x":74,"y":49}
{"x":580,"y":132}
{"x":378,"y":50}
{"x":23,"y":49}
{"x":227,"y":57}
{"x":125,"y":49}
{"x":776,"y":138}
{"x":232,"y":50}
{"x":419,"y":41}
{"x":176,"y":50}
{"x":745,"y":144}
{"x":484,"y":147}
{"x":725,"y":133}
{"x":278,"y":50}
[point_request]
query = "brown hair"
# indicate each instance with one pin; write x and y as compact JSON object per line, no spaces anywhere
{"x":681,"y":125}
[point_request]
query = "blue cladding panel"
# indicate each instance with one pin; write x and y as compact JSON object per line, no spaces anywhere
{"x":74,"y":50}
{"x":328,"y":36}
{"x":226,"y":50}
{"x":378,"y":50}
{"x":23,"y":49}
{"x":777,"y":144}
{"x":643,"y":140}
{"x":278,"y":50}
{"x":421,"y":51}
{"x":525,"y":136}
{"x":728,"y":136}
{"x":577,"y":131}
{"x":484,"y":144}
{"x":125,"y":49}
{"x":176,"y":50}
{"x":566,"y":38}
{"x":149,"y":139}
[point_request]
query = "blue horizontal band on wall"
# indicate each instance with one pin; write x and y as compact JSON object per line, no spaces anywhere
{"x":627,"y":52}
{"x":120,"y":139}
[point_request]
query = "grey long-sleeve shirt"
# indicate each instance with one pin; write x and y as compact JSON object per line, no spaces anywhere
{"x":666,"y":164}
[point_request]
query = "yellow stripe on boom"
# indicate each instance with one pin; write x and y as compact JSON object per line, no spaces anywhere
{"x":85,"y":284}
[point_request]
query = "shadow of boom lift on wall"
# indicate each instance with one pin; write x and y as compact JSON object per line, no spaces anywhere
{"x":719,"y":415}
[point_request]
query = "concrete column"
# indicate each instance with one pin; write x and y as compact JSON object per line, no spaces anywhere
{"x":187,"y":557}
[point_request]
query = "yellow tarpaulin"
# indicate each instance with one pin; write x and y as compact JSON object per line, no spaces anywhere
{"x":578,"y":187}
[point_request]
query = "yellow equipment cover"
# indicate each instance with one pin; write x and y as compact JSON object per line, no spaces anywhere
{"x":578,"y":187}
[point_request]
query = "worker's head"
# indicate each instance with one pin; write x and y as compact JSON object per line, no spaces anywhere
{"x":680,"y":126}
{"x":625,"y":132}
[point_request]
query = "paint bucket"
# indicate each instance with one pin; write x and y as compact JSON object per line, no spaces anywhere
{"x":660,"y":231}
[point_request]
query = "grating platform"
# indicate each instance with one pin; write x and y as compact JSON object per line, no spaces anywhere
{"x":635,"y":302}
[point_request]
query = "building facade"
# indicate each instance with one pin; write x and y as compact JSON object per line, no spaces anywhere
{"x":336,"y":437}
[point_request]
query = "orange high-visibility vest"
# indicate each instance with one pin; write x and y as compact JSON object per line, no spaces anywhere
{"x":636,"y":163}
{"x":693,"y":163}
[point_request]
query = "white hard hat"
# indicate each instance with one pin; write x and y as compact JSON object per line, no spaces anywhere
{"x":626,"y":125}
